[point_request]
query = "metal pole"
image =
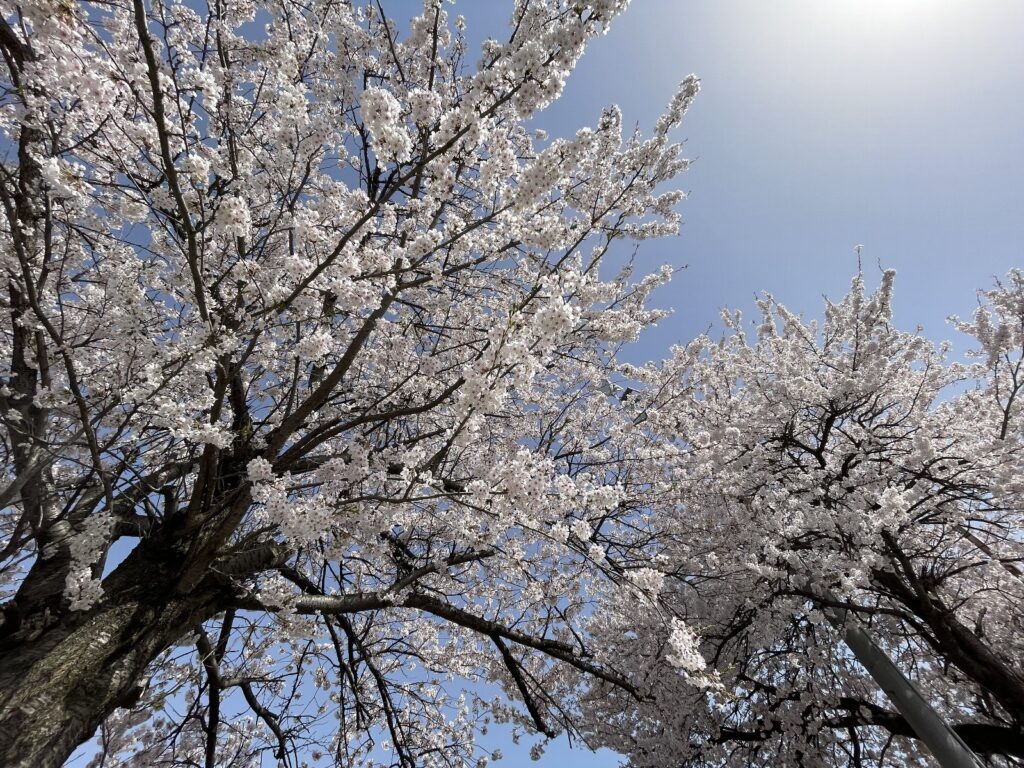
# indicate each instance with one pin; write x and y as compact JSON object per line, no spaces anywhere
{"x":944,"y":743}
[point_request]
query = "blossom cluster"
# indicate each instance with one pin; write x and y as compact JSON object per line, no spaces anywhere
{"x":311,"y":310}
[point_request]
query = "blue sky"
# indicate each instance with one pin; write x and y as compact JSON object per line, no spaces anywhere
{"x":822,"y":124}
{"x":898,"y":124}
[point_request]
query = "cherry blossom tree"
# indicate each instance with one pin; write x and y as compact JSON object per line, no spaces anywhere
{"x":305,"y":345}
{"x":837,"y":472}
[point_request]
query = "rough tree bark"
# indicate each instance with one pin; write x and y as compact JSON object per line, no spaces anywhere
{"x":58,"y":682}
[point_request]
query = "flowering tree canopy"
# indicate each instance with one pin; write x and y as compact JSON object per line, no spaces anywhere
{"x":303,"y":409}
{"x":311,"y":414}
{"x":842,"y":471}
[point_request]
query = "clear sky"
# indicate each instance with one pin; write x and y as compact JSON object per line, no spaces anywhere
{"x":897,"y":124}
{"x":822,"y":124}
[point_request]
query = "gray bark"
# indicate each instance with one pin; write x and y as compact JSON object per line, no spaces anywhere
{"x":59,"y":682}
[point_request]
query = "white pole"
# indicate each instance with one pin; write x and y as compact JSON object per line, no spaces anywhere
{"x":942,"y":741}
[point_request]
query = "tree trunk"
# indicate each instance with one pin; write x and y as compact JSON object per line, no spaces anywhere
{"x":57,"y":684}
